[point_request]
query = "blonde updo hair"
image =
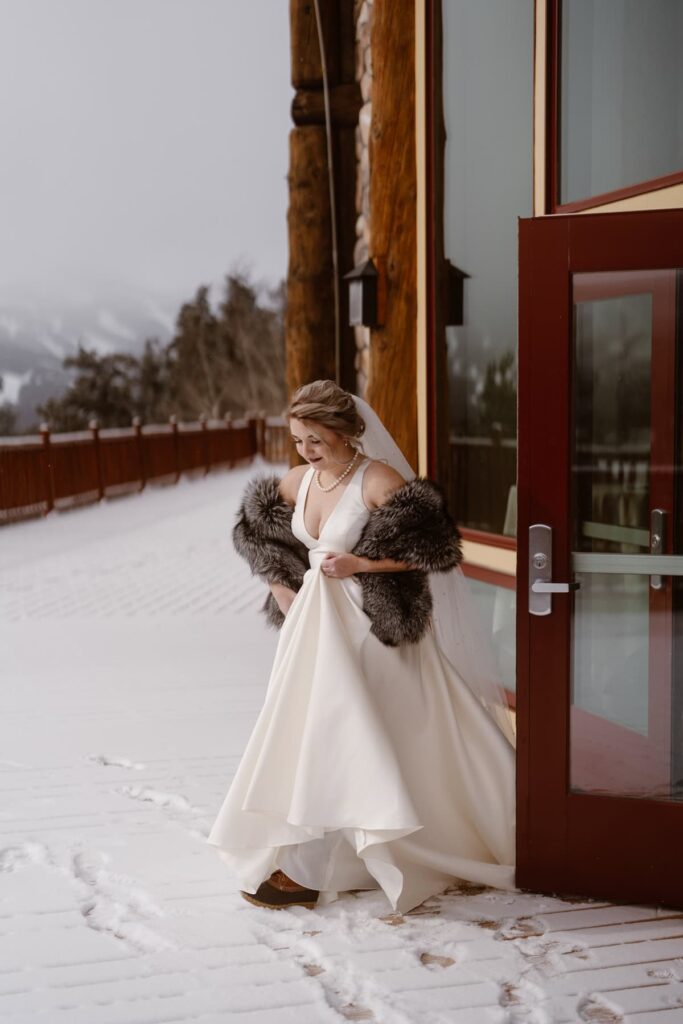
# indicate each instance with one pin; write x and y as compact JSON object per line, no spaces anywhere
{"x":324,"y":402}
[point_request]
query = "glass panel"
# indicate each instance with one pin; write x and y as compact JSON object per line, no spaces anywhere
{"x":610,"y":667}
{"x":613,"y":340}
{"x":488,"y":108}
{"x":497,"y":613}
{"x":621,"y":94}
{"x":623,"y":737}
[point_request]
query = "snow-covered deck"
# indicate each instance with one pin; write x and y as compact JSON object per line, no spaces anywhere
{"x":134,"y":664}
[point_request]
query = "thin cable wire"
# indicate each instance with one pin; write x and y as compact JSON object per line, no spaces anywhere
{"x":333,"y":208}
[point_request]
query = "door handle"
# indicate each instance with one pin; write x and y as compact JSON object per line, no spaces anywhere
{"x":541,"y":586}
{"x":657,"y":542}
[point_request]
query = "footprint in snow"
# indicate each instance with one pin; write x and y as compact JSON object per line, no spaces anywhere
{"x":424,"y":910}
{"x":171,"y":800}
{"x":663,"y":973}
{"x":521,"y":998}
{"x":21,"y":856}
{"x":116,"y":762}
{"x":429,"y":959}
{"x":596,"y":1009}
{"x":314,"y":969}
{"x":115,"y":905}
{"x":394,"y":920}
{"x":520,"y":928}
{"x":547,"y":955}
{"x":354,"y":1012}
{"x":201,"y":833}
{"x":466,"y":889}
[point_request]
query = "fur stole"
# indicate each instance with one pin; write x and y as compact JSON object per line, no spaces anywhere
{"x":263,"y":536}
{"x":413,"y":525}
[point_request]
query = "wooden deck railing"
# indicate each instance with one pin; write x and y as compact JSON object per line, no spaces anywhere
{"x":45,"y":471}
{"x":611,"y":482}
{"x":483,"y":469}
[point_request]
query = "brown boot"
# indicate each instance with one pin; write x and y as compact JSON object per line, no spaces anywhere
{"x":280,"y":891}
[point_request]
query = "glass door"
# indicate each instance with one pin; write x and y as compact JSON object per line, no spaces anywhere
{"x":600,"y":676}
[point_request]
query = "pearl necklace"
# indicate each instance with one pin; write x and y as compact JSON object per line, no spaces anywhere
{"x":339,"y":478}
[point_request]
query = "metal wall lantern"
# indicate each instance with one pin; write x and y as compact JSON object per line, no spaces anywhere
{"x":363,"y":295}
{"x":454,"y":304}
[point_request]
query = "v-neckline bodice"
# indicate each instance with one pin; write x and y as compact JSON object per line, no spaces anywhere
{"x":310,"y":474}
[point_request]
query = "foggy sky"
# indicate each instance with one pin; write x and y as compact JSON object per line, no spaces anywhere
{"x":143,"y":143}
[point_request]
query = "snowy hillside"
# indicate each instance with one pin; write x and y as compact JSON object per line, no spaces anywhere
{"x":36,"y":336}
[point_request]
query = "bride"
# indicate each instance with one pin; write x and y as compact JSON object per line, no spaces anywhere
{"x":383,"y":756}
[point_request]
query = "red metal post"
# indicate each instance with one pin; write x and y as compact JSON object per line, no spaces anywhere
{"x":227,"y":419}
{"x":260,"y":426}
{"x":47,"y":468}
{"x":137,"y":427}
{"x":205,"y":442}
{"x":95,"y":430}
{"x":253,"y":434}
{"x":172,"y":419}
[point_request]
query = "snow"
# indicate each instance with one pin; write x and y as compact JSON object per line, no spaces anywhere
{"x":134,"y":662}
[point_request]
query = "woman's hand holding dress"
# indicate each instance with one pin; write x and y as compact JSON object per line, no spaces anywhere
{"x":406,"y":534}
{"x":345,"y":564}
{"x":380,"y":483}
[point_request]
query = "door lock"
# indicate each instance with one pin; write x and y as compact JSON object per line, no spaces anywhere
{"x":541,"y":587}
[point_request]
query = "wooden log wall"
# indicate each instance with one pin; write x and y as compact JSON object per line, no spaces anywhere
{"x":392,"y":388}
{"x":309,"y":322}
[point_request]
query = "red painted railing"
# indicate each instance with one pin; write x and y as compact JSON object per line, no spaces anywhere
{"x":46,"y":471}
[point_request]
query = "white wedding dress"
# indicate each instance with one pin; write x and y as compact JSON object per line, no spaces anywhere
{"x":369,"y":766}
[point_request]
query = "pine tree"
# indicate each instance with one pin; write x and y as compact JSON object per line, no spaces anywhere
{"x":253,"y":345}
{"x":103,"y":389}
{"x":192,"y":353}
{"x":152,"y":401}
{"x":228,"y":360}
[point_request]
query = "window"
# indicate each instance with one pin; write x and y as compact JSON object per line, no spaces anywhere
{"x":488,"y":110}
{"x":620,"y":98}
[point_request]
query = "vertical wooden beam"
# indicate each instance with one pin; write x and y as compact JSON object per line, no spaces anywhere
{"x":305,"y":51}
{"x":345,"y":165}
{"x":393,"y":195}
{"x":309,"y":320}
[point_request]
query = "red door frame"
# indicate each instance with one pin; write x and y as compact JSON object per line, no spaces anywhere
{"x":611,"y":847}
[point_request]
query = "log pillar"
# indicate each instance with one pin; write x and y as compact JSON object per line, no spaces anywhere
{"x":309,"y":319}
{"x":393,"y":218}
